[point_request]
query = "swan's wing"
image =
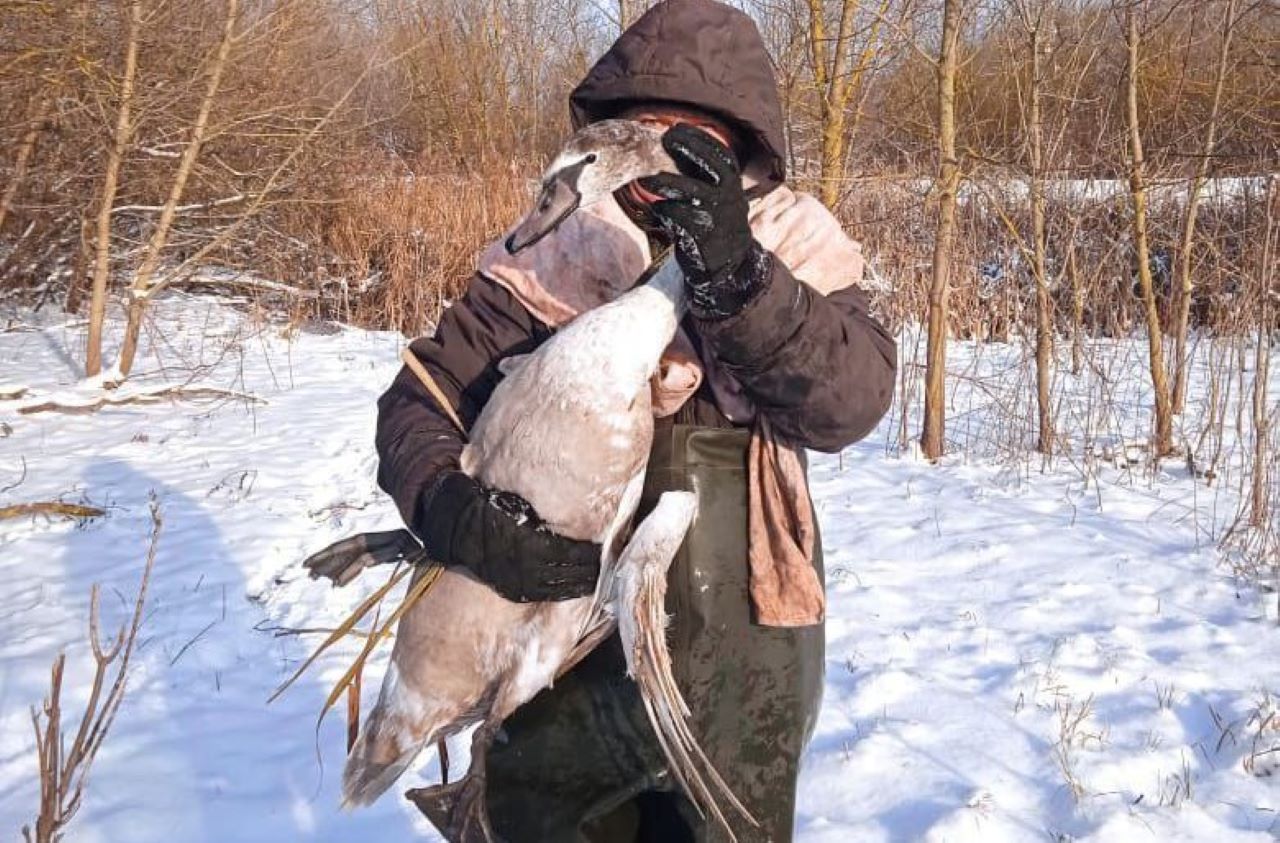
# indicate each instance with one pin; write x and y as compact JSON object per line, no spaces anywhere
{"x":642,"y":590}
{"x":511,"y":364}
{"x":588,"y":642}
{"x":611,"y":549}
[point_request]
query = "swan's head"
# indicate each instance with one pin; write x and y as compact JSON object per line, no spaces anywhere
{"x":596,"y":161}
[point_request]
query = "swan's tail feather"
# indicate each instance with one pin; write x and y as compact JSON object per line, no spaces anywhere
{"x":642,"y":575}
{"x":399,"y":727}
{"x":385,"y":749}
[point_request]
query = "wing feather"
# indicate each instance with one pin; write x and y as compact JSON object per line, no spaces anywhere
{"x":642,"y":622}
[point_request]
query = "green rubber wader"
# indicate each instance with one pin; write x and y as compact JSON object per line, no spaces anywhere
{"x":580,"y":762}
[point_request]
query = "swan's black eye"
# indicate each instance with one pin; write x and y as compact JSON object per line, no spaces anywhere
{"x":591,"y":158}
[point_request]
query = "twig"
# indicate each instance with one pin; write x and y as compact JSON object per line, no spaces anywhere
{"x":249,"y":283}
{"x":196,"y":206}
{"x":173,"y":393}
{"x":69,"y":510}
{"x":21,"y":479}
{"x":291,"y":631}
{"x":192,"y":642}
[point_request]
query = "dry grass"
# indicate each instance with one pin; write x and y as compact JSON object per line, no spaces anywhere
{"x":396,"y":245}
{"x":1090,"y":254}
{"x":1074,"y":733}
{"x":1263,"y":728}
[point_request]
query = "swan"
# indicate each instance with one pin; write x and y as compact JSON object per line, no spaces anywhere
{"x":569,"y":429}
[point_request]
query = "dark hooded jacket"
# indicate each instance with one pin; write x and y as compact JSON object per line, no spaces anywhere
{"x":693,"y":53}
{"x":820,"y":367}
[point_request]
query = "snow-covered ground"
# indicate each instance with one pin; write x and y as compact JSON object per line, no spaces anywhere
{"x":1013,"y":655}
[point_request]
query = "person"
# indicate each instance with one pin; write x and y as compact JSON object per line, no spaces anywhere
{"x":784,"y":326}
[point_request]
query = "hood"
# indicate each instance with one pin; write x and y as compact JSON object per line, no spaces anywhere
{"x":699,"y":53}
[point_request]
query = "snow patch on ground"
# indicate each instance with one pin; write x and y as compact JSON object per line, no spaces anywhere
{"x":1011,"y":656}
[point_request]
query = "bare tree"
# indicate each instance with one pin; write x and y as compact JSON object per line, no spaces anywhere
{"x":1034,"y":16}
{"x":1163,"y":434}
{"x":840,"y":66}
{"x":110,"y":182}
{"x":932,"y":436}
{"x":1259,"y":509}
{"x":1194,"y":190}
{"x":141,"y":289}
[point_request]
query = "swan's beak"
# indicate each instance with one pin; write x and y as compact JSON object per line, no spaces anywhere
{"x":559,"y":198}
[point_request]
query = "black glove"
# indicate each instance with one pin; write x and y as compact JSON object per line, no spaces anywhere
{"x":704,"y":214}
{"x":499,"y":538}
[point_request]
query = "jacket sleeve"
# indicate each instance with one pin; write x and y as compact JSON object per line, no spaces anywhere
{"x":415,"y":439}
{"x":820,"y":367}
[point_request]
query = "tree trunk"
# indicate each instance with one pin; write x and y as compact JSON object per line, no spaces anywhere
{"x":1259,"y":511}
{"x":628,"y":11}
{"x":1044,"y":316}
{"x":80,"y":266}
{"x":119,"y":143}
{"x":1163,"y":440}
{"x":932,"y":435}
{"x":823,"y":78}
{"x":1185,"y":285}
{"x":1077,"y":311}
{"x":141,"y":289}
{"x":25,"y":150}
{"x":1261,"y":436}
{"x":836,"y":81}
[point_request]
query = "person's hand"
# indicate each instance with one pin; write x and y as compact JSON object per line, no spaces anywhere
{"x":500,"y":538}
{"x":703,"y":212}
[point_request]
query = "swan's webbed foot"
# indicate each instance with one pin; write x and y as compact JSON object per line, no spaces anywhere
{"x":459,"y":810}
{"x":341,"y":562}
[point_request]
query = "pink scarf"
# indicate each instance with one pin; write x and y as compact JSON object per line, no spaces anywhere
{"x":596,"y":255}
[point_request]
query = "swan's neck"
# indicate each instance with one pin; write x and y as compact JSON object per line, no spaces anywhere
{"x":637,"y":326}
{"x":658,"y":304}
{"x":668,"y":280}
